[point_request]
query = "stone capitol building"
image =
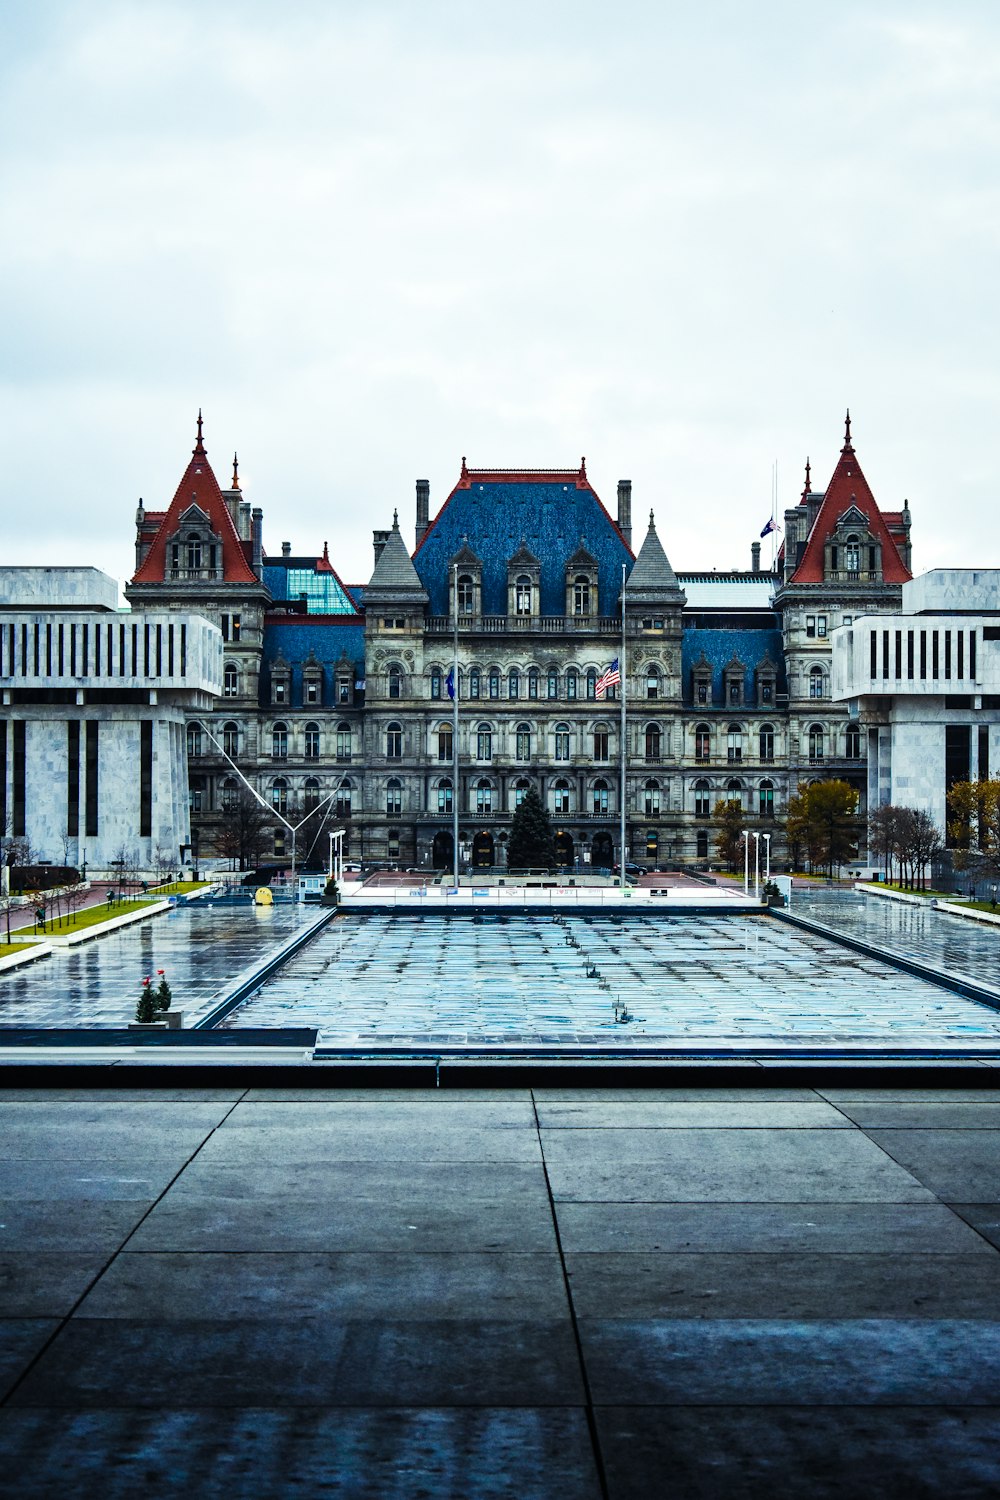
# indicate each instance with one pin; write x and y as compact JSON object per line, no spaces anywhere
{"x":336,"y":696}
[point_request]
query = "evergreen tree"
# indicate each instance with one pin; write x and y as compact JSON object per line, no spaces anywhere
{"x":147,"y":1008}
{"x":531,"y":845}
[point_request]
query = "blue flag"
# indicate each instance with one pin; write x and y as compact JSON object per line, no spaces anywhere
{"x":772,"y":525}
{"x":450,"y":680}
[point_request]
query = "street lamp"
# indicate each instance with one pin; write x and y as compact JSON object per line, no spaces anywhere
{"x":756,"y":865}
{"x":745,"y":836}
{"x":767,"y":857}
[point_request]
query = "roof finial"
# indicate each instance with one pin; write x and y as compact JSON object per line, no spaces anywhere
{"x":326,"y":552}
{"x":199,"y":445}
{"x":583,"y":468}
{"x":847,"y":430}
{"x":465,"y":472}
{"x":395,"y":520}
{"x":236,"y":473}
{"x":652,"y":523}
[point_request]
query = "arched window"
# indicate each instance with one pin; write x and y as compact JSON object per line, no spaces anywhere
{"x":475,"y":682}
{"x":532,"y":682}
{"x":652,"y":682}
{"x":279,"y":742}
{"x":231,"y":739}
{"x":553,"y":683}
{"x":652,"y":799}
{"x":521,"y":788}
{"x":343,"y":800}
{"x":444,"y":794}
{"x":571,"y":683}
{"x":653,"y":743}
{"x":195,"y":739}
{"x":395,"y":682}
{"x":394,"y":741}
{"x":562,"y":741}
{"x":816,"y":683}
{"x":765,"y":793}
{"x":817,"y":742}
{"x":484,"y":742}
{"x":311,"y":794}
{"x":466,"y":594}
{"x":581,"y":594}
{"x":560,"y":796}
{"x":734,"y":743}
{"x":522,"y":743}
{"x":852,"y":555}
{"x":445,"y":743}
{"x":602,"y":742}
{"x":600,"y":797}
{"x":591,"y":683}
{"x":513,"y":684}
{"x":702,"y":742}
{"x":484,"y":796}
{"x":436,"y":680}
{"x":702,"y":799}
{"x":766,"y":742}
{"x":522,"y":595}
{"x":230,"y":793}
{"x":230,"y":681}
{"x":494,"y":680}
{"x":393,"y":797}
{"x":279,"y":795}
{"x":852,"y":742}
{"x":193,"y":551}
{"x":312,"y":741}
{"x":344,"y":745}
{"x":734,"y":791}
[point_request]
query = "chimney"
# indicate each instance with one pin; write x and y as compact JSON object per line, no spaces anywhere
{"x":625,"y":509}
{"x":423,"y":508}
{"x":257,"y":537}
{"x":245,"y":528}
{"x":379,"y":539}
{"x":755,"y":556}
{"x":286,"y":549}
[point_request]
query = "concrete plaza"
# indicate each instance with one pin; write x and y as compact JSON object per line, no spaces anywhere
{"x":699,"y":1291}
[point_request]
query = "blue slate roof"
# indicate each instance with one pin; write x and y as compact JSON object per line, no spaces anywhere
{"x":296,"y":639}
{"x":325,"y":595}
{"x":720,"y":647}
{"x":495,"y":515}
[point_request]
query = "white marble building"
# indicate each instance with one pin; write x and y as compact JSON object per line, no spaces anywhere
{"x":925,"y":684}
{"x":93,"y":761}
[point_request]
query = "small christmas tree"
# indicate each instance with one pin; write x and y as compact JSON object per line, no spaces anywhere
{"x":531,"y":844}
{"x":147,"y":1008}
{"x":164,"y":995}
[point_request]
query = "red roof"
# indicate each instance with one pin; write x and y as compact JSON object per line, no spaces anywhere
{"x":200,"y":487}
{"x":849,"y":487}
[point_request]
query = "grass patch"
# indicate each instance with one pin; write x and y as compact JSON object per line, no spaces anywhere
{"x":6,"y":949}
{"x":989,"y":906}
{"x":179,"y":887}
{"x":909,"y":890}
{"x":89,"y":916}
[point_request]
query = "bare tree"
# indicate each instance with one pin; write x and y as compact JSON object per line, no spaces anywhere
{"x":244,"y":829}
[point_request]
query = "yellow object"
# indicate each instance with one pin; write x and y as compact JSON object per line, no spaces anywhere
{"x":263,"y":896}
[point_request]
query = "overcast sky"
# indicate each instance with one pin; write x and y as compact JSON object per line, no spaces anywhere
{"x":369,"y":238}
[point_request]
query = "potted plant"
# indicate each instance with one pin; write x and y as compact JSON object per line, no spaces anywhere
{"x":147,"y":1010}
{"x":771,"y":895}
{"x":164,"y":1002}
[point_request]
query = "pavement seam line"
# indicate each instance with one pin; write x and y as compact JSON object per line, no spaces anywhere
{"x":67,"y":1317}
{"x":589,"y":1410}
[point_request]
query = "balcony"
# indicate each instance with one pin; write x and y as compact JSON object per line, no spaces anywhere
{"x":524,"y":625}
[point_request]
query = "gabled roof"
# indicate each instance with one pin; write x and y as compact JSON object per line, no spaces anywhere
{"x":500,"y":510}
{"x":652,"y":577}
{"x":848,"y":487}
{"x":465,"y":557}
{"x":394,"y":572}
{"x":524,"y":557}
{"x":582,"y":557}
{"x":199,"y":487}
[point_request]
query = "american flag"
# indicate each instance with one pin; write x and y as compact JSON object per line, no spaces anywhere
{"x":608,"y":678}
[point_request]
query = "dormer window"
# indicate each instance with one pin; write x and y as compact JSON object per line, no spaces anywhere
{"x":581,"y":584}
{"x":852,"y":555}
{"x":466,"y":594}
{"x":581,"y":595}
{"x":733,"y":677}
{"x":522,"y":595}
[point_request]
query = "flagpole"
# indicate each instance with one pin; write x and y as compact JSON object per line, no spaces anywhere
{"x":623,"y":665}
{"x":455,"y":792}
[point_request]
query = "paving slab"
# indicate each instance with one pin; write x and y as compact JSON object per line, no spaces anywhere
{"x":20,"y":1341}
{"x":708,"y":1093}
{"x":398,"y":1180}
{"x":916,"y":1095}
{"x":97,"y":1115}
{"x":842,"y":1362}
{"x":403,"y":1286}
{"x":126,"y":1095}
{"x":744,"y":1453}
{"x":334,"y":1095}
{"x":68,"y":1226}
{"x":146,"y":1141}
{"x":960,"y":1166}
{"x":761,"y":1228}
{"x":983,"y":1218}
{"x":308,"y":1362}
{"x":795,"y":1166}
{"x":85,"y":1178}
{"x":447,"y":1221}
{"x":784,"y":1286}
{"x":350,"y":1140}
{"x":44,"y":1284}
{"x":475,"y":1454}
{"x":720,"y":1114}
{"x":440,"y":1112}
{"x":922,"y":1115}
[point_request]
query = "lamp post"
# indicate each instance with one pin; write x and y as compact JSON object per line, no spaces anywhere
{"x":746,"y":862}
{"x":756,"y":866}
{"x":767,"y":857}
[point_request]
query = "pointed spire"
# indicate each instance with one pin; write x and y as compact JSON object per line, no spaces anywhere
{"x":807,"y":487}
{"x":652,"y":579}
{"x":236,"y":474}
{"x":652,"y":523}
{"x":465,"y":472}
{"x":395,"y":520}
{"x":583,"y":468}
{"x":848,"y":448}
{"x":199,"y":446}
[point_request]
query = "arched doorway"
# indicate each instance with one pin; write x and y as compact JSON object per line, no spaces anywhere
{"x":482,"y":851}
{"x":443,"y":851}
{"x":603,"y":851}
{"x":564,"y":851}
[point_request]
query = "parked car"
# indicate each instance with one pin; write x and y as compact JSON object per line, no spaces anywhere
{"x":635,"y":870}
